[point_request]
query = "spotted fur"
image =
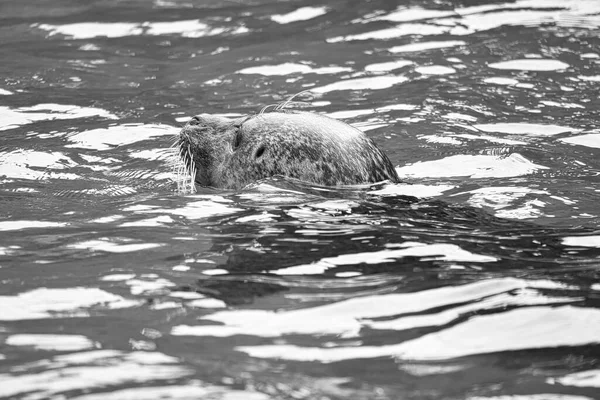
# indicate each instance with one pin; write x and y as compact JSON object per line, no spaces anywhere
{"x":231,"y":153}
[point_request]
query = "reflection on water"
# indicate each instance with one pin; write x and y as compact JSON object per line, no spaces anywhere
{"x":475,"y":278}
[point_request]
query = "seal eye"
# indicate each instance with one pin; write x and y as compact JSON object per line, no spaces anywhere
{"x":194,"y":121}
{"x":237,"y":140}
{"x":259,"y":152}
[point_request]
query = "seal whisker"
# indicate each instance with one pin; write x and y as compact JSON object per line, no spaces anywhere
{"x":182,"y":164}
{"x":266,"y":107}
{"x":191,"y":170}
{"x":282,"y":105}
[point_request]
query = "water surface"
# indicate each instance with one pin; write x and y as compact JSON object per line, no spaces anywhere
{"x":477,"y":278}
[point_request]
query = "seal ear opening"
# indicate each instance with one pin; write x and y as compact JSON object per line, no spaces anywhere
{"x":237,"y":140}
{"x":259,"y":152}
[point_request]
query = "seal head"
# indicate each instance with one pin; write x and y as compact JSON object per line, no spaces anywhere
{"x":231,"y":153}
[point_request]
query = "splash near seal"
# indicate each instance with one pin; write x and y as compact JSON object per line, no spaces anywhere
{"x":232,"y":153}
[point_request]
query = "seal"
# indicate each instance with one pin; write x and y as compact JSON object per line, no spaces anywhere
{"x":232,"y":153}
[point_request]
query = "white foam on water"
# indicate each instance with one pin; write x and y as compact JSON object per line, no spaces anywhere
{"x":159,"y":154}
{"x":459,"y":117}
{"x":435,"y":70}
{"x":589,"y":78}
{"x":117,"y":277}
{"x":292,"y":68}
{"x":140,"y":208}
{"x":8,"y":250}
{"x":413,"y":47}
{"x":582,"y":241}
{"x":580,"y":13}
{"x":18,"y":164}
{"x":185,"y":28}
{"x":417,"y":190}
{"x":88,"y":30}
{"x":49,"y":342}
{"x":518,"y":128}
{"x":347,"y":317}
{"x":427,"y":369}
{"x":530,"y":64}
{"x":215,"y":271}
{"x":206,"y":303}
{"x":369,"y":83}
{"x":301,"y":14}
{"x":165,"y":305}
{"x":441,"y":139}
{"x":473,"y":166}
{"x":438,"y":251}
{"x":498,"y":80}
{"x":149,"y":284}
{"x":387,"y":66}
{"x":99,"y":160}
{"x":410,"y":119}
{"x":199,"y":209}
{"x":113,"y":245}
{"x":48,"y":303}
{"x":4,"y":92}
{"x":527,"y":86}
{"x":88,"y":371}
{"x":348,"y":274}
{"x":588,"y":140}
{"x":469,"y":20}
{"x":527,"y":328}
{"x":561,"y":104}
{"x":107,"y":220}
{"x":308,"y":269}
{"x":394,"y":32}
{"x":307,"y":214}
{"x":20,"y":225}
{"x":280,"y":69}
{"x":590,"y":378}
{"x":176,"y":392}
{"x":346,"y":114}
{"x":366,"y":126}
{"x":502,"y":199}
{"x":118,"y":135}
{"x":334,"y":205}
{"x":186,"y":295}
{"x":478,"y":22}
{"x":11,"y":118}
{"x":537,"y":396}
{"x":262,"y":217}
{"x":158,"y":221}
{"x":189,"y":29}
{"x":393,"y":107}
{"x":519,"y":297}
{"x":518,"y":329}
{"x":405,"y":14}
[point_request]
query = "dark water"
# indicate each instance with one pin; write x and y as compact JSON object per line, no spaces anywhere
{"x":478,"y":279}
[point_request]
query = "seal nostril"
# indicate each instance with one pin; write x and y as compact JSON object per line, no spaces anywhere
{"x":194,"y":121}
{"x":259,"y":152}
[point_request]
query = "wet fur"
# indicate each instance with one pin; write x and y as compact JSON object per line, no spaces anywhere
{"x":231,"y":153}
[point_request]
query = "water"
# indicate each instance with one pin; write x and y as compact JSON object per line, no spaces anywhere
{"x":475,"y":279}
